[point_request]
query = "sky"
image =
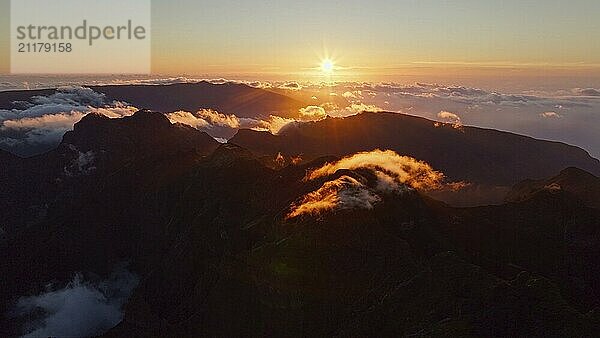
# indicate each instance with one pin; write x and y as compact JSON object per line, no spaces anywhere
{"x":528,"y":66}
{"x":476,"y":42}
{"x":380,"y":39}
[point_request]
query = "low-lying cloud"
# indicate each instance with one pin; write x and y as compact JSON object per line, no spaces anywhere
{"x":394,"y":174}
{"x":223,"y":127}
{"x":452,"y":118}
{"x":343,"y":193}
{"x":40,"y":124}
{"x":312,"y":113}
{"x":392,"y":170}
{"x":80,"y":309}
{"x":515,"y":112}
{"x":550,"y":115}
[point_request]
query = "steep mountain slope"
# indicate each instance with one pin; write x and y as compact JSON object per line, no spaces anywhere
{"x":97,"y":148}
{"x":409,"y":266}
{"x":8,"y":163}
{"x":576,"y":182}
{"x":476,"y":155}
{"x":206,"y":227}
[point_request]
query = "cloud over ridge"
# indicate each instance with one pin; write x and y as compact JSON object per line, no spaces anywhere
{"x":394,"y":174}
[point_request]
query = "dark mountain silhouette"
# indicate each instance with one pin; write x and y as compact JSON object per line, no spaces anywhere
{"x":97,"y":148}
{"x":7,"y":160}
{"x":472,"y":154}
{"x":205,"y":227}
{"x":230,"y":98}
{"x":410,"y":266}
{"x":10,"y":98}
{"x":573,"y":181}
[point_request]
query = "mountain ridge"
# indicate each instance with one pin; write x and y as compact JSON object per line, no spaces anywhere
{"x":446,"y":148}
{"x":229,"y":98}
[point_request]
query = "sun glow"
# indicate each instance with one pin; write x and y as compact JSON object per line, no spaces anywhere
{"x":327,"y":66}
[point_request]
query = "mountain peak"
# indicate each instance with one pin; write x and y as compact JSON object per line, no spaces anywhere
{"x":228,"y":153}
{"x":573,"y":181}
{"x":91,"y":119}
{"x":574,"y":172}
{"x":145,"y":131}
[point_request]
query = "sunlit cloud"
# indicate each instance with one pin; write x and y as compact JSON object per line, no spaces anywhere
{"x":342,"y":193}
{"x":450,"y":117}
{"x":391,"y":169}
{"x":394,"y":174}
{"x":550,"y":115}
{"x":290,"y":86}
{"x":312,"y":113}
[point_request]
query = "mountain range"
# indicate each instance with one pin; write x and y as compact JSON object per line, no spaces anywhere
{"x":229,"y":98}
{"x":210,"y":230}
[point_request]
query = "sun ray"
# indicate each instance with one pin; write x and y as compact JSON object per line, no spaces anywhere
{"x":327,"y":66}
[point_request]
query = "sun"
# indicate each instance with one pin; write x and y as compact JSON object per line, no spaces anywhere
{"x":327,"y":66}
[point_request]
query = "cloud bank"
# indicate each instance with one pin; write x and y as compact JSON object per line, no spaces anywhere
{"x":523,"y":113}
{"x":40,"y":124}
{"x":520,"y":112}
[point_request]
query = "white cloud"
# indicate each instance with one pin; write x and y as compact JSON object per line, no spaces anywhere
{"x":550,"y":115}
{"x":295,"y":86}
{"x":342,"y":193}
{"x":312,"y":113}
{"x":45,"y":119}
{"x":586,"y":91}
{"x":515,"y":112}
{"x":81,"y":309}
{"x":394,"y":174}
{"x":450,"y":117}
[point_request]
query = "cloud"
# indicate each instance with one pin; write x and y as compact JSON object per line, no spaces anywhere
{"x":514,"y":112}
{"x":215,"y":118}
{"x":452,"y":118}
{"x":394,"y":174}
{"x":349,"y":95}
{"x":448,"y":116}
{"x":550,"y":115}
{"x":276,"y":124}
{"x":80,"y":309}
{"x":586,"y":91}
{"x":392,"y":170}
{"x":46,"y":129}
{"x":187,"y":118}
{"x":205,"y":119}
{"x":342,"y":193}
{"x":312,"y":113}
{"x":223,"y":127}
{"x":295,"y":86}
{"x":361,"y":107}
{"x":43,"y":121}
